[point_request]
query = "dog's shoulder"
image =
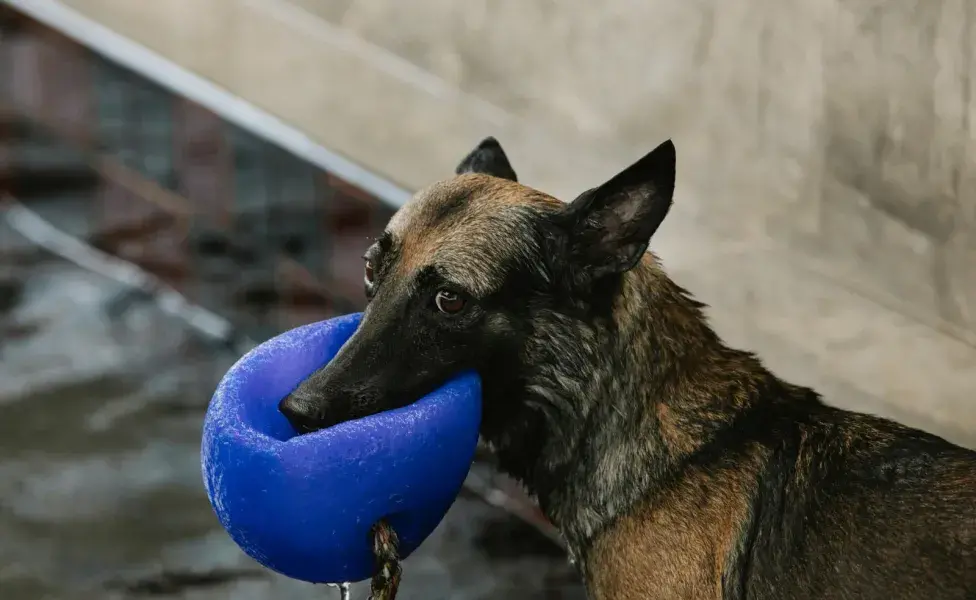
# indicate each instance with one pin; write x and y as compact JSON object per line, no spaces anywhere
{"x":685,"y":541}
{"x":859,"y":502}
{"x":800,"y":483}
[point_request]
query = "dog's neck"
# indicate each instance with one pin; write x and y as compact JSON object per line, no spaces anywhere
{"x":613,"y":407}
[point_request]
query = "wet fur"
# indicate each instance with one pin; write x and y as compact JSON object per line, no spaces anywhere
{"x":675,"y":466}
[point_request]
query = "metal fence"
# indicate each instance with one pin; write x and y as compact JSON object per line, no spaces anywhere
{"x":228,"y":219}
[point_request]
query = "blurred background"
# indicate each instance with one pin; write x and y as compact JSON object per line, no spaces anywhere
{"x":180,"y":180}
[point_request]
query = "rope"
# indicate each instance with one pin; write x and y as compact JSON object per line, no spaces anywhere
{"x":386,"y":577}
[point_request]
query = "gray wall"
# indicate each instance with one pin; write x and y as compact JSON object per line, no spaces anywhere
{"x":845,"y":126}
{"x":826,"y":201}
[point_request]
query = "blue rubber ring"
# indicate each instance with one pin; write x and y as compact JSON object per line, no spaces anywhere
{"x":304,"y":505}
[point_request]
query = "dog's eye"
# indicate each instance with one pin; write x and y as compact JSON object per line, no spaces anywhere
{"x":449,"y":302}
{"x":368,"y":272}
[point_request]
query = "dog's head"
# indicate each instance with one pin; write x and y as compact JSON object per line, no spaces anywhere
{"x":461,"y":271}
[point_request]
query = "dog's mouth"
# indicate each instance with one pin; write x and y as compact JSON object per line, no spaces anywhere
{"x":308,"y":412}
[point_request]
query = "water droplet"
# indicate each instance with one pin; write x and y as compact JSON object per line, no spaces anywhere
{"x":344,"y":593}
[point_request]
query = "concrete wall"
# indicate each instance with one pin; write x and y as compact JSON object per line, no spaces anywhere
{"x":845,"y":124}
{"x":826,"y":200}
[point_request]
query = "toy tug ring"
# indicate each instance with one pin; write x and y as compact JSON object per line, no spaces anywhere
{"x":342,"y":504}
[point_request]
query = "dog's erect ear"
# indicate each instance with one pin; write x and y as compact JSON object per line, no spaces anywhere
{"x":487,"y":158}
{"x":609,"y":227}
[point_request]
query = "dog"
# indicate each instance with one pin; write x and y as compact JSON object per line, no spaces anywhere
{"x":673,"y":465}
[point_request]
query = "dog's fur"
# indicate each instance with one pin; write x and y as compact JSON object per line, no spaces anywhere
{"x":675,"y":466}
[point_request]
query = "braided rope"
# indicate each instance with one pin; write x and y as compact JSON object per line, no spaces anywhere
{"x":386,"y":577}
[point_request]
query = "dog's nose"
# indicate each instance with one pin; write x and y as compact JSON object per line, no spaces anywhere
{"x":301,"y":412}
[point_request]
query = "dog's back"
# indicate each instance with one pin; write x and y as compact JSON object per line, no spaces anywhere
{"x":866,"y":508}
{"x":803,"y":501}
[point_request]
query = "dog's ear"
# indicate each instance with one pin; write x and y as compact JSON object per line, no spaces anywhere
{"x":609,"y":227}
{"x":487,"y":158}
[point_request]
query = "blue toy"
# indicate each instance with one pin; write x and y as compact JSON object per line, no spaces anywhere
{"x":304,"y":505}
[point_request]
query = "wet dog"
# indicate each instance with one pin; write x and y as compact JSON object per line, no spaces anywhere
{"x":674,"y":465}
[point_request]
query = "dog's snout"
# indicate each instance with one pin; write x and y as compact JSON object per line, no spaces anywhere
{"x":302,"y":412}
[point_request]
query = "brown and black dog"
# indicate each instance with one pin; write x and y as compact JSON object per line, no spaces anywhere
{"x":674,"y":465}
